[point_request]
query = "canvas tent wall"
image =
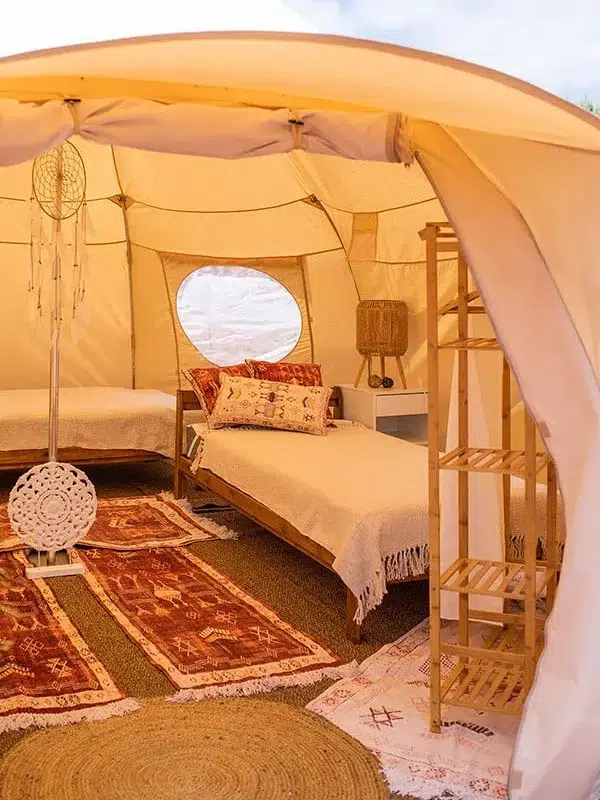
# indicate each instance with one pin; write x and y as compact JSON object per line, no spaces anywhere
{"x":515,"y":170}
{"x":323,"y":226}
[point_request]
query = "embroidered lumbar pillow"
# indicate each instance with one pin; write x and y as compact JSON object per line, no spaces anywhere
{"x":266,"y":404}
{"x":205,"y":382}
{"x":289,"y":372}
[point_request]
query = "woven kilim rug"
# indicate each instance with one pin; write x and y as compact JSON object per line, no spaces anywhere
{"x":48,"y":675}
{"x":206,"y":634}
{"x":134,"y":523}
{"x":385,"y":705}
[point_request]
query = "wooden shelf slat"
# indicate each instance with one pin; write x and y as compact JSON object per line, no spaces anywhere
{"x":482,"y":459}
{"x":492,"y":678}
{"x":483,"y":653}
{"x":492,"y":578}
{"x":470,"y":310}
{"x":452,"y":306}
{"x":486,"y":686}
{"x":470,"y":343}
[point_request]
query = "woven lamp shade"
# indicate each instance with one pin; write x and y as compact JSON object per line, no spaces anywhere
{"x":382,"y":328}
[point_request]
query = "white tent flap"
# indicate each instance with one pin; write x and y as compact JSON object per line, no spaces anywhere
{"x":561,"y":390}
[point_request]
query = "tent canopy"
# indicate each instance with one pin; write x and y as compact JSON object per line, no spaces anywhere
{"x":316,"y":160}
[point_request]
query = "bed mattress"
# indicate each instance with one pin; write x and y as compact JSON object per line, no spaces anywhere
{"x":105,"y":418}
{"x":360,"y":494}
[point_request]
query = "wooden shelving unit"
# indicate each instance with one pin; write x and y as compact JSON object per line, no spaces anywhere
{"x":495,"y":675}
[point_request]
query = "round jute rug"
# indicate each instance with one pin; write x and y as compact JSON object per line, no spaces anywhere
{"x":234,"y":749}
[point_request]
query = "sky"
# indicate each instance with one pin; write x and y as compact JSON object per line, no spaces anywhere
{"x":552,"y":43}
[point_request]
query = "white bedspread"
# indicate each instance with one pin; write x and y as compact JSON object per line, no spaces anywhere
{"x":96,"y":417}
{"x":358,"y":493}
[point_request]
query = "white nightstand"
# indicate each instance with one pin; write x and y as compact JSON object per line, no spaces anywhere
{"x":399,"y":412}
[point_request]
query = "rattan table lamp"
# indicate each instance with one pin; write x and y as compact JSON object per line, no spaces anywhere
{"x":381,"y":331}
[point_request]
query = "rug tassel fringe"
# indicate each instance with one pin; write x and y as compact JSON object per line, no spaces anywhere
{"x":264,"y":685}
{"x":16,"y":722}
{"x":220,"y":531}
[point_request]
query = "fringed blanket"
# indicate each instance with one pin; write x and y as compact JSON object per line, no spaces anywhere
{"x":516,"y":543}
{"x":360,"y":494}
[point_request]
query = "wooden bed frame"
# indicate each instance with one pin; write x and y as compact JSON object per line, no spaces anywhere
{"x":24,"y":459}
{"x":251,"y":508}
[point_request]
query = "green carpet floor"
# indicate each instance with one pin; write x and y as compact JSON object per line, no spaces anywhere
{"x":302,"y":592}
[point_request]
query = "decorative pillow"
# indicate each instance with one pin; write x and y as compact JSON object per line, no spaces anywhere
{"x":206,"y":382}
{"x":289,"y":372}
{"x":267,"y":404}
{"x":286,"y":372}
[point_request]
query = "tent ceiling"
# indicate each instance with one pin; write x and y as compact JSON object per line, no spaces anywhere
{"x":300,"y":70}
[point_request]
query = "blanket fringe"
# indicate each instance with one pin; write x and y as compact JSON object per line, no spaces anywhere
{"x":516,"y":547}
{"x":16,"y":722}
{"x":264,"y":685}
{"x":220,"y":531}
{"x":412,"y":562}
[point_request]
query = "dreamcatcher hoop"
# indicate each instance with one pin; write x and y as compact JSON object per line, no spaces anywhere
{"x":59,"y":182}
{"x":53,"y":505}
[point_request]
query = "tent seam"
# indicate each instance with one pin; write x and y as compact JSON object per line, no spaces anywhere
{"x":172,"y":315}
{"x":132,"y":343}
{"x":305,"y":286}
{"x":160,"y":250}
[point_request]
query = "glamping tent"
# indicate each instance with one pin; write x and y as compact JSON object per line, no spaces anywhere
{"x":316,"y":160}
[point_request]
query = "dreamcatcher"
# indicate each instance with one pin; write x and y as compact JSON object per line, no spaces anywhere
{"x":53,"y":505}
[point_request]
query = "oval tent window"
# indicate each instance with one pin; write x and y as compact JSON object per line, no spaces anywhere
{"x":233,"y":313}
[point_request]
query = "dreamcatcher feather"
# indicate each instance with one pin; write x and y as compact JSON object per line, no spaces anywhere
{"x":53,"y":505}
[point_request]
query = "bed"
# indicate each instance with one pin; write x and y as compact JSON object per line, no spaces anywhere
{"x":98,"y":425}
{"x":355,"y":500}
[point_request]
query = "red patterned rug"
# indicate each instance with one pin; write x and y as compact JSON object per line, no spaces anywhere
{"x":134,"y":523}
{"x":48,"y":675}
{"x":207,"y":635}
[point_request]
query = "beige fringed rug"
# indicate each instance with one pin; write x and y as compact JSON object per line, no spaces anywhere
{"x":385,"y":705}
{"x":208,"y":636}
{"x":135,"y":523}
{"x":48,"y":674}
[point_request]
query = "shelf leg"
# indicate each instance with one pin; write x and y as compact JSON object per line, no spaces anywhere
{"x":506,"y":445}
{"x":435,"y":701}
{"x":552,"y":555}
{"x":463,"y":441}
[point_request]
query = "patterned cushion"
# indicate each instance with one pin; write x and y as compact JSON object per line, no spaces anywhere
{"x":286,"y":372}
{"x":289,"y":372}
{"x":206,"y":382}
{"x":266,"y":404}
